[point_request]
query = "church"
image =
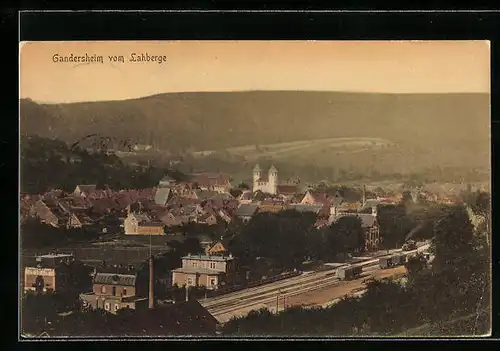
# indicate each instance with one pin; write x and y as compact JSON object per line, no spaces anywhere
{"x":267,"y":183}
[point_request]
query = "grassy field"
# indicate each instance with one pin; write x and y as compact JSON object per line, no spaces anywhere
{"x":301,"y":147}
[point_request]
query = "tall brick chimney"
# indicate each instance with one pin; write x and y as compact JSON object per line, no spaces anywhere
{"x":151,"y":282}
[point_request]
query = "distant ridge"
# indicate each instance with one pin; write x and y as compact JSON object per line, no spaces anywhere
{"x":214,"y":120}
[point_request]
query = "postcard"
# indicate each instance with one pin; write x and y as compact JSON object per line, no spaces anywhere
{"x":207,"y":189}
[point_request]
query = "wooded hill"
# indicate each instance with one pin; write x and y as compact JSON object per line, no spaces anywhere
{"x":201,"y":121}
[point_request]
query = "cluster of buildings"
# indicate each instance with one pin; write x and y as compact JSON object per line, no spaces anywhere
{"x":116,"y":289}
{"x":203,"y":199}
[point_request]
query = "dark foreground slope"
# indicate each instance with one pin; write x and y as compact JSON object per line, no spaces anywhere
{"x":178,"y":121}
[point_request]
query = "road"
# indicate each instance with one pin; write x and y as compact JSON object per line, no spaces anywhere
{"x":241,"y":302}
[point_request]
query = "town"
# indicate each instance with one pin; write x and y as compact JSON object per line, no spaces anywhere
{"x":254,"y":189}
{"x":204,"y":252}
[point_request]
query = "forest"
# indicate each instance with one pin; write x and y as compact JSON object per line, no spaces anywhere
{"x":51,"y":164}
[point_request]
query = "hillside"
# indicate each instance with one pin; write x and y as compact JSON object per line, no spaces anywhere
{"x":439,"y":127}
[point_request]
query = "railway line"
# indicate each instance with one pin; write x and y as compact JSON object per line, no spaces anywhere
{"x":241,"y":302}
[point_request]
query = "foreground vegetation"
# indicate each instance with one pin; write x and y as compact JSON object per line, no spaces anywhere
{"x":439,"y":296}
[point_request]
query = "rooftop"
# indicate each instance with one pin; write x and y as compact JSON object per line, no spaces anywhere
{"x":56,"y":255}
{"x":192,"y":270}
{"x":111,"y":278}
{"x":208,"y":258}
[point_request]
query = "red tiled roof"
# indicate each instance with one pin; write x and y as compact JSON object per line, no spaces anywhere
{"x":211,"y":179}
{"x":287,"y":189}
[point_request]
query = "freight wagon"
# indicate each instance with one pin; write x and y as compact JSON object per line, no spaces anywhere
{"x":391,"y":261}
{"x":349,"y":273}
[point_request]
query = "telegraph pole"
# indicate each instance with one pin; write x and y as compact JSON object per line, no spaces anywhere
{"x":151,"y":276}
{"x":277,"y":302}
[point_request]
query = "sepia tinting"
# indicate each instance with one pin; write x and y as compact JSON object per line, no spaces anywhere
{"x":255,"y":188}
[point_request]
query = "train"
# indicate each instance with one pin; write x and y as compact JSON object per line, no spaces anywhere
{"x":395,"y":260}
{"x":349,"y":273}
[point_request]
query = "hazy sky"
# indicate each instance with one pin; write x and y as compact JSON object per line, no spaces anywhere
{"x":375,"y":66}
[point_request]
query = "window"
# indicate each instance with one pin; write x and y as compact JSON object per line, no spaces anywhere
{"x":189,"y":281}
{"x":106,"y":306}
{"x":103,"y":289}
{"x":114,"y":290}
{"x":212,"y":282}
{"x":124,"y":292}
{"x":212,"y":265}
{"x":116,"y":307}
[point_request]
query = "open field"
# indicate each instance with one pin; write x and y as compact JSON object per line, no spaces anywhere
{"x":303,"y":147}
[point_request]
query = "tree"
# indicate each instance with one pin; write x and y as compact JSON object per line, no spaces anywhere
{"x":394,"y":225}
{"x":453,"y":234}
{"x":351,"y":233}
{"x":243,"y":185}
{"x":415,"y":266}
{"x":235,"y":192}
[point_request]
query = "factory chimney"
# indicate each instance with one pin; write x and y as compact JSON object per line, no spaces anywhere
{"x":151,"y":282}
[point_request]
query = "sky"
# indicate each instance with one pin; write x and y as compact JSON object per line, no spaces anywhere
{"x":193,"y":66}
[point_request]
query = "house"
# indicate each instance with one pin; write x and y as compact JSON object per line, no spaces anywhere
{"x":162,"y":195}
{"x":209,"y":219}
{"x":369,"y":205}
{"x":211,"y":272}
{"x":271,"y":207}
{"x":318,"y":197}
{"x":170,"y":219}
{"x":217,"y":182}
{"x":246,"y":211}
{"x":166,"y":181}
{"x":246,"y":197}
{"x":203,"y":195}
{"x":218,"y":248}
{"x":114,"y":291}
{"x":52,"y":213}
{"x":50,"y":273}
{"x":314,"y":208}
{"x":287,"y":191}
{"x":142,"y":224}
{"x":84,"y":190}
{"x":224,"y":215}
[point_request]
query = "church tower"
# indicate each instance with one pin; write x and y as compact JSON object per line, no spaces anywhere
{"x":273,"y":180}
{"x":257,"y":174}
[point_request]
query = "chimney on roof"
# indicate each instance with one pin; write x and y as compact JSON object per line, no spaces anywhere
{"x":364,"y":194}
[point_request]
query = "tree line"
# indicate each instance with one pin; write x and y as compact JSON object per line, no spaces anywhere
{"x":51,"y":164}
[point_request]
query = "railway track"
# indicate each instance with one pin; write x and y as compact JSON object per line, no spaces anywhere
{"x":327,"y":281}
{"x":226,"y":305}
